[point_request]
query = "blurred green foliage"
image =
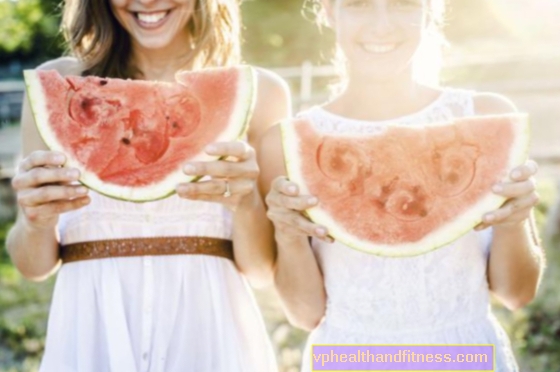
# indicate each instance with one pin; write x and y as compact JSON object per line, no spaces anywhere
{"x":29,"y":30}
{"x":23,"y":313}
{"x":283,"y":33}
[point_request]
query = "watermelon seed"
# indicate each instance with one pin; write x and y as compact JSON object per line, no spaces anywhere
{"x":126,"y":141}
{"x":175,"y":125}
{"x":103,"y":82}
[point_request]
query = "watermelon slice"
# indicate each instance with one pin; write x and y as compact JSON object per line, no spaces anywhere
{"x":130,"y":138}
{"x":405,"y":190}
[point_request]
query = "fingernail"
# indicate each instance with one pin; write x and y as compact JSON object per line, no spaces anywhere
{"x":312,"y":201}
{"x":292,"y":189}
{"x":534,"y":167}
{"x":183,"y":189}
{"x":210,"y":149}
{"x":189,"y":169}
{"x":59,"y":158}
{"x":81,"y":190}
{"x":320,"y":231}
{"x":497,"y":188}
{"x":516,"y":174}
{"x":489,"y":217}
{"x":72,"y":174}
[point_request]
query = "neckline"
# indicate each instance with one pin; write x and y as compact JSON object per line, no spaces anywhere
{"x":422,"y":111}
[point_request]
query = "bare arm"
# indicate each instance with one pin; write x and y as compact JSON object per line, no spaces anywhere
{"x":298,"y":278}
{"x":252,"y":232}
{"x":253,"y":241}
{"x":43,"y":193}
{"x":516,"y":259}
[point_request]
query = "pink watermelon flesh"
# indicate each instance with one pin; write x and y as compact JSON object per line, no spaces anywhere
{"x":397,"y":187}
{"x":132,"y":133}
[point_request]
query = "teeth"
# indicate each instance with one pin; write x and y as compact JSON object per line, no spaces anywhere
{"x":379,"y":48}
{"x":151,"y":17}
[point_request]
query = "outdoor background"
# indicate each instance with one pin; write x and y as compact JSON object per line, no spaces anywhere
{"x":506,"y":46}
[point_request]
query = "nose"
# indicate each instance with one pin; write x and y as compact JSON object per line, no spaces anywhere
{"x":382,"y":21}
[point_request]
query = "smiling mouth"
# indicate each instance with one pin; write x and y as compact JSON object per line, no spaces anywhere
{"x":151,"y":20}
{"x":373,"y":48}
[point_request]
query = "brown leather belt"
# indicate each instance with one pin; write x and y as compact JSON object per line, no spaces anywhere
{"x":146,"y":247}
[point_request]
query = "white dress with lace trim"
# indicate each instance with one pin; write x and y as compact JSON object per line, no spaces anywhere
{"x":441,"y":297}
{"x":156,"y":314}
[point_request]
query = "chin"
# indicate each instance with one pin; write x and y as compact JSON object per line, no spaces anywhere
{"x":380,"y":74}
{"x":152,"y":42}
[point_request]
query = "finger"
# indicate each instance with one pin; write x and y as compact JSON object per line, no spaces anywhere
{"x":238,"y":149}
{"x":222,"y":169}
{"x":41,"y":159}
{"x":523,"y":172}
{"x":512,"y":206}
{"x":296,"y":221}
{"x":515,"y":189}
{"x":55,"y":208}
{"x":297,"y":203}
{"x":216,"y":187}
{"x":284,"y":186}
{"x":49,"y":194}
{"x":41,"y":176}
{"x":481,"y":226}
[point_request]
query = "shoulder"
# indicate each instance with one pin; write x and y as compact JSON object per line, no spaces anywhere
{"x":64,"y":65}
{"x":272,"y":138}
{"x":486,"y":103}
{"x":271,"y":84}
{"x":273,"y":103}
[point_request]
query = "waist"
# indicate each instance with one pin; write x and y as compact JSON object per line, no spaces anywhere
{"x":156,"y":246}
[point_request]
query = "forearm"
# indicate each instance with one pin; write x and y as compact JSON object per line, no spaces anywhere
{"x":34,"y":251}
{"x":516,"y":264}
{"x":299,"y":282}
{"x":253,"y":241}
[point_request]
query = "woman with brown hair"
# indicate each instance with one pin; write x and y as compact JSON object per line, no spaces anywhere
{"x":186,"y":312}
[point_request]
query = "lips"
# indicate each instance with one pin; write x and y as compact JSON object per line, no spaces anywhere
{"x":151,"y":20}
{"x":378,"y":48}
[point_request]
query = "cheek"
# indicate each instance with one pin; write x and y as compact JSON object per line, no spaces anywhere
{"x":348,"y":28}
{"x":414,"y":27}
{"x":413,"y":19}
{"x":115,"y":4}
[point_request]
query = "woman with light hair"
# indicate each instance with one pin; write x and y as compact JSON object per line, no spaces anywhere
{"x":389,"y":52}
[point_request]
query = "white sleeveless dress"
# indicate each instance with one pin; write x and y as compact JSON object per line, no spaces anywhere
{"x":441,"y":297}
{"x":153,"y":314}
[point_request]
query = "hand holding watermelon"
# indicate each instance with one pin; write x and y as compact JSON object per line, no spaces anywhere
{"x":285,"y":207}
{"x":45,"y":188}
{"x":230,"y":179}
{"x":521,"y":194}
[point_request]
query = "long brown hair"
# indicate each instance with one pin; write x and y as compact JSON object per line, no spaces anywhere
{"x":97,"y":39}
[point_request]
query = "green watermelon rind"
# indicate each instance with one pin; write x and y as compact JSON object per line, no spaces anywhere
{"x":445,"y":234}
{"x":236,"y":129}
